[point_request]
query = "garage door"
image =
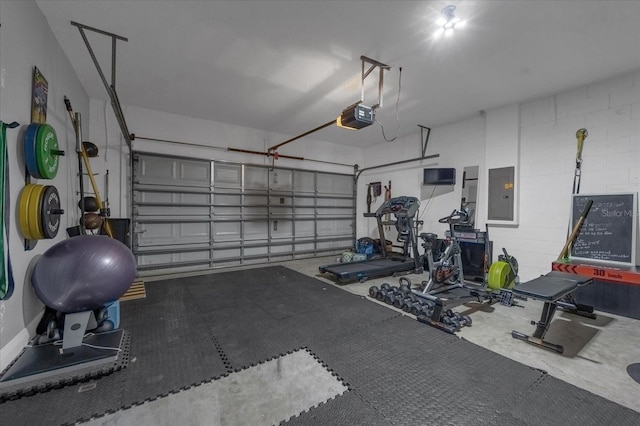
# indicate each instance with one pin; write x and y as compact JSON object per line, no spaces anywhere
{"x":190,"y":214}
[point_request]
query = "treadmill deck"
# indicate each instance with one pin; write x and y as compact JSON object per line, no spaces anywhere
{"x":361,"y":271}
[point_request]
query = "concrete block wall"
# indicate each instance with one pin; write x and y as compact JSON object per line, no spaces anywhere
{"x":609,"y":110}
{"x":611,"y":158}
{"x":458,"y":144}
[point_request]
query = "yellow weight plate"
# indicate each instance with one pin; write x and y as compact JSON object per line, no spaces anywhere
{"x":498,"y":275}
{"x":23,"y":209}
{"x":35,"y":207}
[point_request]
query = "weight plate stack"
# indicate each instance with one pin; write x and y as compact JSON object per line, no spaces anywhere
{"x":39,"y":212}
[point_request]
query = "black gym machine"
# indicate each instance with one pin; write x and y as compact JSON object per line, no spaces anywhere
{"x":403,"y":209}
{"x":433,"y":300}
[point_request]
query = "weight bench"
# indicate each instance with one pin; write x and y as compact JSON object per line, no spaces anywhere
{"x":554,"y":289}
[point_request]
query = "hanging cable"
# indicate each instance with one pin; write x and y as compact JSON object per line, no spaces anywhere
{"x":426,"y":207}
{"x":397,"y":113}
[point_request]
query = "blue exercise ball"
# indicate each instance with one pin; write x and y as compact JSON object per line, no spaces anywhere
{"x":83,"y":273}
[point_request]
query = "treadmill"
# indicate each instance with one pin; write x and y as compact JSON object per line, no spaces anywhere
{"x":404,"y":210}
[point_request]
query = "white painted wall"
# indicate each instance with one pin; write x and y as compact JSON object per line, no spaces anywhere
{"x":503,"y":150}
{"x":26,"y":41}
{"x":459,"y":144}
{"x":610,"y":111}
{"x":197,"y":138}
{"x":546,"y":129}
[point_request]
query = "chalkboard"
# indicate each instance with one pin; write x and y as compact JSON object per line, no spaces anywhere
{"x":609,"y":231}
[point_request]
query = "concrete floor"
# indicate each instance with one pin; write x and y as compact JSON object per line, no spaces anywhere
{"x":597,"y":354}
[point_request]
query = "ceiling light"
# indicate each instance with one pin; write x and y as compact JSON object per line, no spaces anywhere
{"x":448,"y":22}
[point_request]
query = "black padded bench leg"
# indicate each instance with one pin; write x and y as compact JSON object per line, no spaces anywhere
{"x":542,"y":327}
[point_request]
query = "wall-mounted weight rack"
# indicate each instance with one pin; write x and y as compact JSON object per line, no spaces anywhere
{"x":39,"y":207}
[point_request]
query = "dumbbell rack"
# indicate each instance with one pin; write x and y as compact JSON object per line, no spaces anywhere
{"x":428,"y":311}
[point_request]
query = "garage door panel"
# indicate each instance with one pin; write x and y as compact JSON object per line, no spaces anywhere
{"x":196,"y":213}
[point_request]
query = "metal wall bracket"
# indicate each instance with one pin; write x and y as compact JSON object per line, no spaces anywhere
{"x":374,"y":64}
{"x":111,"y":88}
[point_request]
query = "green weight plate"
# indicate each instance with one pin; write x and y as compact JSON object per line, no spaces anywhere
{"x":47,"y":152}
{"x":498,"y":275}
{"x":50,"y":212}
{"x":30,"y":156}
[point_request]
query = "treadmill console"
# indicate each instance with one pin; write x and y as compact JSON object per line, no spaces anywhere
{"x":400,"y":206}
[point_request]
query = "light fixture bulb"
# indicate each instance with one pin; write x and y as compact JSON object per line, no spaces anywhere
{"x":448,"y":22}
{"x":447,"y":12}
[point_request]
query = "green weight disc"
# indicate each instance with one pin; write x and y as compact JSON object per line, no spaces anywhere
{"x":498,"y":275}
{"x":47,"y":152}
{"x":30,"y":137}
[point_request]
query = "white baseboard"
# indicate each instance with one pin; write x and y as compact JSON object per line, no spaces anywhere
{"x":11,"y":350}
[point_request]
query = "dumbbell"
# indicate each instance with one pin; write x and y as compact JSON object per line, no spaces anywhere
{"x":384,"y":289}
{"x":407,"y":303}
{"x":451,"y":321}
{"x":426,"y":310}
{"x":416,"y":307}
{"x":398,"y":301}
{"x":405,"y":290}
{"x":373,"y":292}
{"x":392,"y":294}
{"x":464,"y":320}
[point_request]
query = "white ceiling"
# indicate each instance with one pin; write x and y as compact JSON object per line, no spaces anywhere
{"x":290,"y":66}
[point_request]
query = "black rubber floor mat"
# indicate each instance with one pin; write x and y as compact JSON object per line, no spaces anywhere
{"x":345,"y":409}
{"x":66,"y":405}
{"x":554,"y":402}
{"x":414,"y":374}
{"x":399,"y":371}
